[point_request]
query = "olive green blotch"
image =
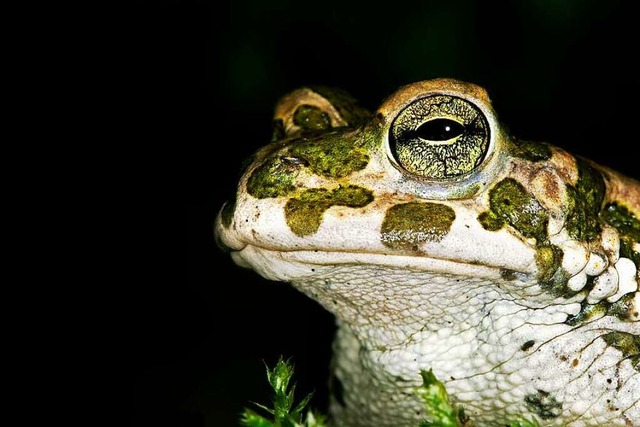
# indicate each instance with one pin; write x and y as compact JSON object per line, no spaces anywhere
{"x":585,"y":203}
{"x":590,"y":312}
{"x":409,"y":224}
{"x":510,"y":203}
{"x":273,"y":178}
{"x":552,"y":277}
{"x":622,"y":219}
{"x":548,"y":260}
{"x":622,"y":308}
{"x":531,"y":151}
{"x":311,"y":118}
{"x":304,"y":213}
{"x":334,"y":155}
{"x":543,"y":404}
{"x":628,"y":225}
{"x":627,"y":343}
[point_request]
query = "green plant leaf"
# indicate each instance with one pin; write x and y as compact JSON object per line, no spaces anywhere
{"x":283,"y":400}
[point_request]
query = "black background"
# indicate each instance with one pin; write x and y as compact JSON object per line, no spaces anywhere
{"x":557,"y":71}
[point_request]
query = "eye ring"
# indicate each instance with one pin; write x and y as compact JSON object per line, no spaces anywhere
{"x":440,"y":137}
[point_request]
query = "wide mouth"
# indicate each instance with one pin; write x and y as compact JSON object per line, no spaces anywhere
{"x":291,"y":265}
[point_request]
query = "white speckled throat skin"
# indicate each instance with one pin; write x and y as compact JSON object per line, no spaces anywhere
{"x":509,"y":268}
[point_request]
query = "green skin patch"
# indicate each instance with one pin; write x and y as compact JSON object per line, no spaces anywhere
{"x":585,"y":203}
{"x":548,"y":259}
{"x":620,"y":309}
{"x":304,"y":213}
{"x":553,"y":278}
{"x":531,"y":151}
{"x":588,"y":313}
{"x":333,"y":155}
{"x":409,"y":224}
{"x":627,"y":225}
{"x":311,"y":118}
{"x":628,"y":344}
{"x":510,"y":203}
{"x":273,"y":178}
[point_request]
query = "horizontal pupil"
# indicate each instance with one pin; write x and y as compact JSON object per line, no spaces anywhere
{"x":439,"y":130}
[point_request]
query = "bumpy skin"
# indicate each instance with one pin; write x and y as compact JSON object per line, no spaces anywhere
{"x":508,"y":267}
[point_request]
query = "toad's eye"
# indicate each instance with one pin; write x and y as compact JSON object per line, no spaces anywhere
{"x":439,"y":130}
{"x":439,"y":137}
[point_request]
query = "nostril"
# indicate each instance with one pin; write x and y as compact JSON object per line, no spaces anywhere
{"x":294,"y":161}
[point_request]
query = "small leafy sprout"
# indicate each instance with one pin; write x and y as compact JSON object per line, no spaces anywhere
{"x":283,"y":413}
{"x":440,"y":411}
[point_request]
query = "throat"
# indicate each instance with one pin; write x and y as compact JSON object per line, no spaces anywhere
{"x":387,"y":306}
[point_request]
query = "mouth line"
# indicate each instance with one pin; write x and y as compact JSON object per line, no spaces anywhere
{"x":413,"y":261}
